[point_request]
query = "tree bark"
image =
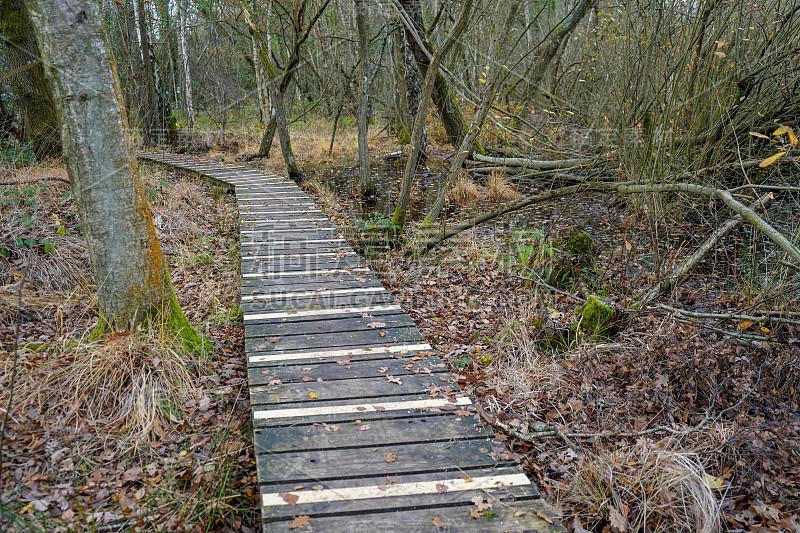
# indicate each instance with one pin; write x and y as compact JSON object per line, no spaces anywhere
{"x":128,"y":267}
{"x":150,"y":111}
{"x":467,"y":144}
{"x":399,"y":217}
{"x":188,"y":97}
{"x":31,"y":90}
{"x":443,"y":96}
{"x":365,"y":183}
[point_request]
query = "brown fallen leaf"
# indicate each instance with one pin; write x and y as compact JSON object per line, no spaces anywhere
{"x":441,"y":488}
{"x":307,"y":378}
{"x":436,"y":521}
{"x":474,"y":513}
{"x":291,"y":499}
{"x":300,"y":521}
{"x":391,"y":457}
{"x":520,"y":513}
{"x":544,"y":517}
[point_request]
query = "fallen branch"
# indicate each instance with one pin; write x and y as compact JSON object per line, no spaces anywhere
{"x":734,"y":205}
{"x":538,"y":431}
{"x":729,"y":316}
{"x":679,"y":273}
{"x":560,"y":164}
{"x":24,"y":182}
{"x":513,"y":206}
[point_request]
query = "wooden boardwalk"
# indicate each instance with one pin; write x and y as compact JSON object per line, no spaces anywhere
{"x":358,"y":426}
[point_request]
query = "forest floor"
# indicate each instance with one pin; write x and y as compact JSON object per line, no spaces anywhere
{"x":663,"y":424}
{"x":70,"y":469}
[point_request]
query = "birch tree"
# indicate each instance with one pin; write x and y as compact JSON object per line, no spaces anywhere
{"x":128,"y":267}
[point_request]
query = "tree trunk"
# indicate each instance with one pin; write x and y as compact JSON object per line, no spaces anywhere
{"x":563,"y":31}
{"x":365,"y":183}
{"x":399,"y":217}
{"x":413,"y":84}
{"x":31,"y":90}
{"x":283,"y":135}
{"x":150,"y":113}
{"x":262,"y":91}
{"x":490,"y":91}
{"x":443,"y":97}
{"x":132,"y":280}
{"x":188,"y":99}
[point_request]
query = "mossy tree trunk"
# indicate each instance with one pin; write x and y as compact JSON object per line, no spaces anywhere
{"x":127,"y":264}
{"x":31,"y":91}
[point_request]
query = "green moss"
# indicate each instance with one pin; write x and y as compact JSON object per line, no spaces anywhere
{"x":171,"y":317}
{"x":595,"y":315}
{"x":167,"y":317}
{"x":580,"y":245}
{"x":404,"y":139}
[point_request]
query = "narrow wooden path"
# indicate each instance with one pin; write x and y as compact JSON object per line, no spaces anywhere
{"x":357,"y":424}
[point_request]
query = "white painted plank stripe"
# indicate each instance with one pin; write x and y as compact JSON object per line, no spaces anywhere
{"x":310,"y":253}
{"x":321,"y":272}
{"x":396,"y":489}
{"x":358,"y":408}
{"x":285,"y":220}
{"x":324,"y":292}
{"x":295,"y":230}
{"x":304,"y":256}
{"x":292,"y":243}
{"x":283,"y":212}
{"x":324,"y":311}
{"x":381,"y":349}
{"x":309,"y":205}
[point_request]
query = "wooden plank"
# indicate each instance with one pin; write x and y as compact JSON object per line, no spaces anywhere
{"x":344,"y":411}
{"x":332,"y":370}
{"x":316,"y":302}
{"x":296,"y":467}
{"x":364,"y":389}
{"x":327,"y":326}
{"x":262,"y":344}
{"x":259,"y":284}
{"x":367,"y":435}
{"x":358,"y":352}
{"x":404,"y":495}
{"x":503,"y":516}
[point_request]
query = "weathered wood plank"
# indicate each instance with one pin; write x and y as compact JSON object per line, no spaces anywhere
{"x":294,"y":394}
{"x":327,"y":326}
{"x":344,"y":411}
{"x":267,"y":344}
{"x":296,"y":467}
{"x":332,"y":370}
{"x":369,"y":434}
{"x":516,"y":516}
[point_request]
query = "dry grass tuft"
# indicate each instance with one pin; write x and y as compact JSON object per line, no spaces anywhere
{"x":463,"y":190}
{"x":499,"y":189}
{"x":525,"y":366}
{"x":644,"y":489}
{"x":129,"y":381}
{"x":41,"y":236}
{"x":323,"y":193}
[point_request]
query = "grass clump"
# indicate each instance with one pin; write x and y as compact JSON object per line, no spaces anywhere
{"x":644,"y":489}
{"x":127,"y":381}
